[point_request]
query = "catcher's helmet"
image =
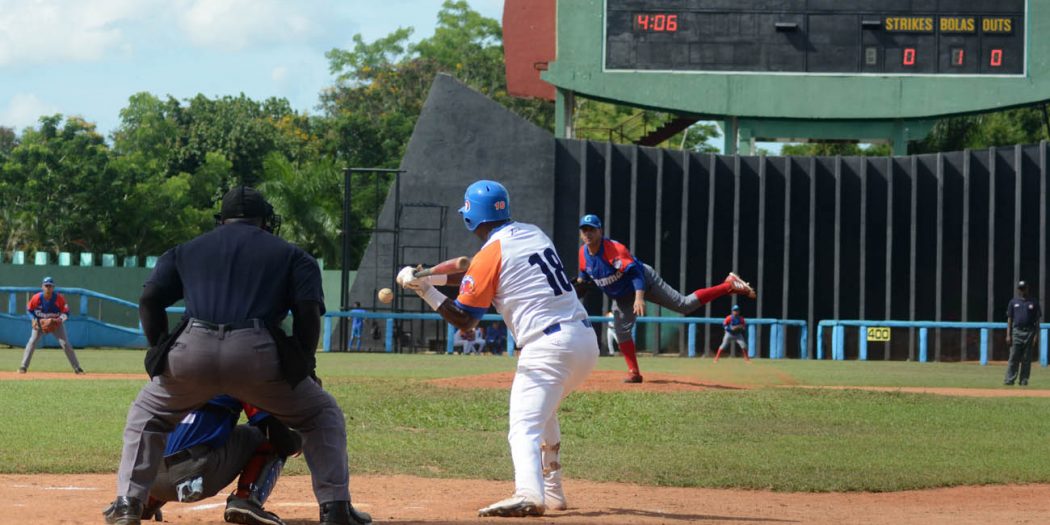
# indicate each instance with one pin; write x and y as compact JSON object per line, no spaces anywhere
{"x":485,"y":201}
{"x":591,"y":220}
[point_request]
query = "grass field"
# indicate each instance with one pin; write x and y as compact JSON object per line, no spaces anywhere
{"x":785,"y":439}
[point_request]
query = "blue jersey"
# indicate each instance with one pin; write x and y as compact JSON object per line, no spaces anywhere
{"x":613,"y":269}
{"x":210,"y":424}
{"x":358,"y":322}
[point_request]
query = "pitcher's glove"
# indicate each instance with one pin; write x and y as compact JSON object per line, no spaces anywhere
{"x":46,"y":326}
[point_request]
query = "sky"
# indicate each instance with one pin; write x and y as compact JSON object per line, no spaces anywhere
{"x":87,"y":57}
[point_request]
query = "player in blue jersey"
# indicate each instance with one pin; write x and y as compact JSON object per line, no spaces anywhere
{"x":629,"y":282}
{"x":207,"y":450}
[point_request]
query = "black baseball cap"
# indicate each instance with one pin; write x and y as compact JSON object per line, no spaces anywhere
{"x":244,"y":202}
{"x":1021,"y":285}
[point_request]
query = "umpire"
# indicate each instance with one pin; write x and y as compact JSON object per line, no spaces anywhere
{"x":1022,"y":334}
{"x":238,"y":281}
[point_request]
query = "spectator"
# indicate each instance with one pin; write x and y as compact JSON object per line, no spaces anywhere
{"x":356,"y":326}
{"x":496,"y":338}
{"x":468,"y":340}
{"x":48,"y":312}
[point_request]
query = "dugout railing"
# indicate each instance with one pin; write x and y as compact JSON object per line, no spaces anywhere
{"x":777,"y":336}
{"x":838,"y":336}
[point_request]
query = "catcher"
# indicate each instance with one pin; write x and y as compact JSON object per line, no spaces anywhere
{"x":208,"y":449}
{"x":48,"y":311}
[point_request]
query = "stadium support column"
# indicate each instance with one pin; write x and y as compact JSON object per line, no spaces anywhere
{"x":564,"y":108}
{"x":730,"y":128}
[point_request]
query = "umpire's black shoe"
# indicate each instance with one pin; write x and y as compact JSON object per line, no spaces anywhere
{"x":124,"y":511}
{"x":342,"y":513}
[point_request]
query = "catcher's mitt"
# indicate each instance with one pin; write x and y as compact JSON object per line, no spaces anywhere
{"x":49,"y":325}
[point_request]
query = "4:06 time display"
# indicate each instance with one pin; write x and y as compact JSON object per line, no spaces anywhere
{"x":656,"y":22}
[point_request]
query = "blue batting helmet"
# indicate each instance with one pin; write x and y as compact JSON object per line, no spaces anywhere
{"x":591,"y":220}
{"x":485,"y":201}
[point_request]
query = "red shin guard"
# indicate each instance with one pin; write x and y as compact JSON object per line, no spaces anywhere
{"x":251,"y":471}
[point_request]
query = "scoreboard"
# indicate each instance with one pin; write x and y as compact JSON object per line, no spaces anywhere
{"x":880,"y":37}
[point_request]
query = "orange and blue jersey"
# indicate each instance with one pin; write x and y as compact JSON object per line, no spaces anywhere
{"x":613,"y":269}
{"x":519,"y":273}
{"x":41,"y":307}
{"x":211,"y":424}
{"x":732,"y":322}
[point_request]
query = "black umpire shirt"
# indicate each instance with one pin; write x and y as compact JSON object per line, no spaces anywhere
{"x":236,"y":272}
{"x":1024,"y":312}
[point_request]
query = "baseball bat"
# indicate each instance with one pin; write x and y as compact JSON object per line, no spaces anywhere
{"x":454,"y":265}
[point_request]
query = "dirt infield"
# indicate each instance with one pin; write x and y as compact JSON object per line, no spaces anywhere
{"x":612,"y":381}
{"x":75,"y":499}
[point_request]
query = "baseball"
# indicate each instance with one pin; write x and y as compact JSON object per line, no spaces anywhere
{"x":386,"y":295}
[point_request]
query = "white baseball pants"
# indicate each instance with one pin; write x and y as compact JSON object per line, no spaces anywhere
{"x":548,"y":370}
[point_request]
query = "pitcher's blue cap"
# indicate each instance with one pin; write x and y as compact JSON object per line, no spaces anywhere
{"x":591,"y":220}
{"x":48,"y":280}
{"x":736,"y":307}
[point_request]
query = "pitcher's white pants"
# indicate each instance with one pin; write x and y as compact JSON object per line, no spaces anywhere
{"x":548,"y":370}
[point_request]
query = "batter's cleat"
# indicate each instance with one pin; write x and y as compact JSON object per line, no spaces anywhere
{"x":1023,"y":382}
{"x":248,"y":512}
{"x":634,"y":377}
{"x":124,"y":511}
{"x":516,"y":506}
{"x":21,"y":370}
{"x":740,"y":286}
{"x":343,"y":513}
{"x":78,"y":371}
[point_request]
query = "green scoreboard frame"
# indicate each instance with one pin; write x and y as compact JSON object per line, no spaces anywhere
{"x":870,"y":70}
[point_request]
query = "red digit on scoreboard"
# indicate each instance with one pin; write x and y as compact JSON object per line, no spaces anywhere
{"x":659,"y":22}
{"x":909,"y":56}
{"x":643,"y":21}
{"x":997,"y":58}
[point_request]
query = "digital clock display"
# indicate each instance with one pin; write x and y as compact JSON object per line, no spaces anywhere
{"x":961,"y":37}
{"x":656,"y":22}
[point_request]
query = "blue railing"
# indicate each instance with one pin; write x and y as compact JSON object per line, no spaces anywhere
{"x":838,"y":336}
{"x":777,"y":337}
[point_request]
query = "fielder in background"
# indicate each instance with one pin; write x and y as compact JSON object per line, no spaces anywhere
{"x":629,"y":282}
{"x":208,"y":449}
{"x":734,"y":326}
{"x":1022,"y":334}
{"x":519,"y":273}
{"x":48,"y":311}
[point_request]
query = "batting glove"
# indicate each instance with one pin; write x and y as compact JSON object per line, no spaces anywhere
{"x":407,"y":278}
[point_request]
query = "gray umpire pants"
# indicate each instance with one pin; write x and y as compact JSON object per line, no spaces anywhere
{"x":656,"y":291}
{"x":203,"y":363}
{"x":63,"y":340}
{"x":1020,"y":354}
{"x":217,"y":466}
